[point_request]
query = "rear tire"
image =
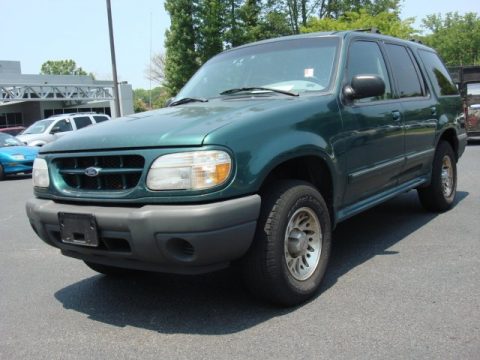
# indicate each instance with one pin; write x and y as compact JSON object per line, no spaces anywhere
{"x":440,"y":194}
{"x":110,"y":270}
{"x":290,"y":252}
{"x":2,"y":173}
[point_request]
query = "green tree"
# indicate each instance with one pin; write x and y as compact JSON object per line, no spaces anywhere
{"x":388,"y":23}
{"x":211,"y":17}
{"x":141,"y":97}
{"x":456,"y":37}
{"x":181,"y":60}
{"x":61,"y":67}
{"x":337,"y":8}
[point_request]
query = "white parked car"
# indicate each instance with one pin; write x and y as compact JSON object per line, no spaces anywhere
{"x":45,"y":131}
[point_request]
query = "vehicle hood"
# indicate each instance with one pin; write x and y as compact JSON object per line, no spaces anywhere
{"x":29,"y":152}
{"x":184,"y":125}
{"x":28,"y":137}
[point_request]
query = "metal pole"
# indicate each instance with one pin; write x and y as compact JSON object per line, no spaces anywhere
{"x":114,"y":64}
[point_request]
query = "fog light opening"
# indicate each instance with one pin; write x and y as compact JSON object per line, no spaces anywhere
{"x":180,"y":249}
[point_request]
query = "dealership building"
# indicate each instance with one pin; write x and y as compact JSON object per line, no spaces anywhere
{"x":26,"y":98}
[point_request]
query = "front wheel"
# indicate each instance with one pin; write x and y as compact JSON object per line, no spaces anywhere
{"x":2,"y":173}
{"x":290,"y":252}
{"x":440,"y":194}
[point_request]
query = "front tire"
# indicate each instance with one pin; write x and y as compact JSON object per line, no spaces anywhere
{"x":440,"y":194}
{"x":2,"y":173}
{"x":290,"y":252}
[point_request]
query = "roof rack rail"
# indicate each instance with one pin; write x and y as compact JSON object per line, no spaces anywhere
{"x":373,"y":30}
{"x":416,"y":41}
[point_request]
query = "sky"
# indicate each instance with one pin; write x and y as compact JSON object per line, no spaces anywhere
{"x":34,"y":31}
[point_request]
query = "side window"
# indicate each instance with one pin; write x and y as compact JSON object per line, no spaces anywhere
{"x":82,"y":121}
{"x":438,"y":74}
{"x":99,"y":119}
{"x":365,"y":57}
{"x":404,"y":71}
{"x":63,"y":125}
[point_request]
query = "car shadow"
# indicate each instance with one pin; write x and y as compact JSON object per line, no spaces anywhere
{"x":217,"y":303}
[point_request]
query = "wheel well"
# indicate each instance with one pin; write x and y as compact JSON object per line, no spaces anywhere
{"x":450,"y":136}
{"x":311,"y":169}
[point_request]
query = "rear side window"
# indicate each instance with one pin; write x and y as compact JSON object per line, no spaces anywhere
{"x":82,"y":121}
{"x":404,"y":71}
{"x":99,"y":119}
{"x":365,"y":57}
{"x":438,"y":74}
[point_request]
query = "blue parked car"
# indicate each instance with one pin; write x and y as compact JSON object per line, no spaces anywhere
{"x":15,"y":157}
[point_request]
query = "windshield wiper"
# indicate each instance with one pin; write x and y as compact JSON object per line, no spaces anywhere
{"x":253,"y":88}
{"x":187,"y":100}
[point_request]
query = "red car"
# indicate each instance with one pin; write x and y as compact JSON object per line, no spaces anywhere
{"x":12,"y":130}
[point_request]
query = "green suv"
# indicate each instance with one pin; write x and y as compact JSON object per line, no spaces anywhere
{"x":260,"y":155}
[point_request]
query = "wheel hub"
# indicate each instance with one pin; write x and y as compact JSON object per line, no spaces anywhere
{"x":303,"y":243}
{"x":447,"y":176}
{"x":297,"y":243}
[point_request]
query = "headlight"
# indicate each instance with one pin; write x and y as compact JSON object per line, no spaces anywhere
{"x":18,"y":157}
{"x":194,"y":170}
{"x":40,"y":173}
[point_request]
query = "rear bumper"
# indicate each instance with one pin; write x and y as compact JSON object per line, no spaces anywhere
{"x":166,"y":238}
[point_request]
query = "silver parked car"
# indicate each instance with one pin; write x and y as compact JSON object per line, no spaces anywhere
{"x":45,"y":131}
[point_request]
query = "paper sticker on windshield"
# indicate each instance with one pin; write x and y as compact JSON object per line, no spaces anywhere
{"x":308,"y":73}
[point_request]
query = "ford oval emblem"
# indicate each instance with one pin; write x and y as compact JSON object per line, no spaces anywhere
{"x":92,"y":171}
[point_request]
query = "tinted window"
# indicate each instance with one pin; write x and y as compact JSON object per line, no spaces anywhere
{"x":404,"y":71}
{"x":365,"y":57}
{"x":82,"y":121}
{"x":438,"y":74}
{"x":63,"y":125}
{"x":100,"y":118}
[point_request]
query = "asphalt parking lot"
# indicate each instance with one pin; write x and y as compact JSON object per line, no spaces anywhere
{"x":402,"y":284}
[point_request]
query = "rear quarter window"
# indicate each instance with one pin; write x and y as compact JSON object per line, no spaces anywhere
{"x":438,"y":74}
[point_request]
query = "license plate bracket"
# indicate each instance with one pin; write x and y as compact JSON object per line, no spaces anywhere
{"x":78,"y":229}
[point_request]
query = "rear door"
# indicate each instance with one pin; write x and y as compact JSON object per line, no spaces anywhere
{"x":419,"y":110}
{"x":373,"y":128}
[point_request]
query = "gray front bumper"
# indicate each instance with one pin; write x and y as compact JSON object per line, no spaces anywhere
{"x":168,"y":238}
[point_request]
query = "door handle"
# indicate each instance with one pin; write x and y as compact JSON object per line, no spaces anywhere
{"x":396,"y":115}
{"x":434,"y":110}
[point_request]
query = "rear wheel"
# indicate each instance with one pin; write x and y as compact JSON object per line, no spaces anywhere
{"x":2,"y":173}
{"x":110,"y":270}
{"x":290,"y":252}
{"x":440,"y":194}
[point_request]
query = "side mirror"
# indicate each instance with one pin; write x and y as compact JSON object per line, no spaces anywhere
{"x":55,"y":130}
{"x":169,"y":101}
{"x":364,"y":86}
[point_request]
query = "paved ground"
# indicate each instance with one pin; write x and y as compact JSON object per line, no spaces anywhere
{"x":402,"y":284}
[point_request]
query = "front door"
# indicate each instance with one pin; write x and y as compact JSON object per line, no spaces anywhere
{"x":374,"y":130}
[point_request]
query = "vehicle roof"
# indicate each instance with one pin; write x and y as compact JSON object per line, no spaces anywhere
{"x":73,"y":114}
{"x":343,"y":34}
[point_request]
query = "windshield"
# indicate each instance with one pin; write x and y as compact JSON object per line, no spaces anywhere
{"x":9,"y":140}
{"x":38,"y":127}
{"x":296,"y":65}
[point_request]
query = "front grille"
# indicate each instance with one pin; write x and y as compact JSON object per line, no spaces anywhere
{"x":119,"y":172}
